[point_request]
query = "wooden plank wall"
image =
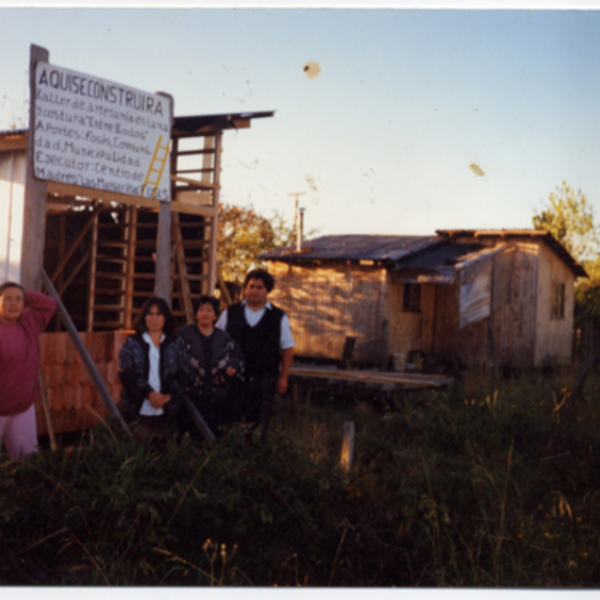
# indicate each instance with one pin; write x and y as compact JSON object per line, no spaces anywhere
{"x":328,"y":302}
{"x":408,"y":330}
{"x":514,"y":304}
{"x":69,"y":388}
{"x":554,"y":336}
{"x":446,"y":340}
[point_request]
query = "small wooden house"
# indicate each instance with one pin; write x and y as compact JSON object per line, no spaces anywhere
{"x":504,"y":296}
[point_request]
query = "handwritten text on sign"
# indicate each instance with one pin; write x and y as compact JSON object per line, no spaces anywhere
{"x":94,"y":133}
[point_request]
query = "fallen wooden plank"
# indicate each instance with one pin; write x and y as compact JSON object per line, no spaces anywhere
{"x":381,"y":377}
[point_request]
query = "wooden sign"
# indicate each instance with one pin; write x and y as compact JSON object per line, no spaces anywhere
{"x":94,"y":133}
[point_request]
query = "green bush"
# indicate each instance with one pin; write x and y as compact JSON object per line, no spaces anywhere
{"x":488,"y":482}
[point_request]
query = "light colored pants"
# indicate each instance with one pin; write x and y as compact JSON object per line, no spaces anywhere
{"x":19,"y":433}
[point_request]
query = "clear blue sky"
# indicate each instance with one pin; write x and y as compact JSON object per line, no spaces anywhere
{"x":383,"y":139}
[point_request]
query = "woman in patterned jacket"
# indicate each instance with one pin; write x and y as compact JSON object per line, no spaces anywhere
{"x":216,"y":364}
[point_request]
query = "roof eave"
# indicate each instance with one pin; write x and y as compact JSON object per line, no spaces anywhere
{"x":577,"y":269}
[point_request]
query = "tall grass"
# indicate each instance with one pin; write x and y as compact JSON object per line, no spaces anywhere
{"x":489,"y":482}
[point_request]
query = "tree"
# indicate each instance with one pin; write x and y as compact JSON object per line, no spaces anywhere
{"x":570,"y":219}
{"x":244,"y":234}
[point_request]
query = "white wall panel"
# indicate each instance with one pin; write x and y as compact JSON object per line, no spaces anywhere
{"x":12,"y":197}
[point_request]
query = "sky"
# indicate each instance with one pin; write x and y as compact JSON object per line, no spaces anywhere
{"x":417,"y":120}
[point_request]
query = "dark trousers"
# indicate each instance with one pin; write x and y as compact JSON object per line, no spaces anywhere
{"x":159,"y":429}
{"x":217,"y":416}
{"x":257,"y":401}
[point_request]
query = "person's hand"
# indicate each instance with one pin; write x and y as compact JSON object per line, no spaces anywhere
{"x":230,"y":371}
{"x":157,"y":399}
{"x":282,"y":385}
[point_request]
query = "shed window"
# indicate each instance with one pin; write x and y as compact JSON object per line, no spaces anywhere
{"x":558,"y":301}
{"x":412,"y":297}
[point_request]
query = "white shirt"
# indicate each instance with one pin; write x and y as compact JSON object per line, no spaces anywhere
{"x":254,"y":316}
{"x":147,"y":410}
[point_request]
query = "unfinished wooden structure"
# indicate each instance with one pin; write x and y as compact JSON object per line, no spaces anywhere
{"x":100,"y":252}
{"x":460,"y":297}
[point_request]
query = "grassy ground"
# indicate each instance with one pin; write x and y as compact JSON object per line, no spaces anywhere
{"x":490,"y":482}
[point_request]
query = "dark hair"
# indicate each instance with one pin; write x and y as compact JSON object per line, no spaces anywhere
{"x":206,"y":299}
{"x":11,"y":284}
{"x":163,"y":308}
{"x":261,"y":274}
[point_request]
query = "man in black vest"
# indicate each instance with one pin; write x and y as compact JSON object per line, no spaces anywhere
{"x":263,"y":333}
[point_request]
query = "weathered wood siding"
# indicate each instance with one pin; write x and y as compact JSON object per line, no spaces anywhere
{"x":514,"y":304}
{"x":554,"y":336}
{"x":329,"y":302}
{"x":445,"y":344}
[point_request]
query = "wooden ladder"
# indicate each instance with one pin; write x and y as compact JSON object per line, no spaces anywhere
{"x":156,"y":167}
{"x":194,"y":236}
{"x":121,"y":267}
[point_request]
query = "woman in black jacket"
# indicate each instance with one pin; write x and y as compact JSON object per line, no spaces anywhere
{"x":154,"y":370}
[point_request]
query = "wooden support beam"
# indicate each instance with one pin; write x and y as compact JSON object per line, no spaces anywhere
{"x":65,"y":284}
{"x":423,"y":380}
{"x":13,"y":143}
{"x":198,"y":420}
{"x":223,"y":287}
{"x":162,"y":284}
{"x":131,"y":234}
{"x":92,"y":274}
{"x":182,"y":269}
{"x":34,"y":210}
{"x":73,"y":247}
{"x":65,"y":189}
{"x":71,"y":191}
{"x":214,"y":226}
{"x":194,"y":182}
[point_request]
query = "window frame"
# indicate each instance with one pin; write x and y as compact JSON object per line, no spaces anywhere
{"x":557,"y":301}
{"x":411,"y":298}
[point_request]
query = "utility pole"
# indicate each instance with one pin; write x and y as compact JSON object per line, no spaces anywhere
{"x":296,"y":194}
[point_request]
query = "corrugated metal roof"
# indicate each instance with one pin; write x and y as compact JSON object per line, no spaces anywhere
{"x":440,"y":255}
{"x":197,"y":123}
{"x":355,"y":247}
{"x":11,"y":132}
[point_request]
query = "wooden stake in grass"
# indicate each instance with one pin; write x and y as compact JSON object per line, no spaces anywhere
{"x":347,"y":446}
{"x":44,"y":399}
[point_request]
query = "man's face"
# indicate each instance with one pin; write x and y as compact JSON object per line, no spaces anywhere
{"x":256,"y":293}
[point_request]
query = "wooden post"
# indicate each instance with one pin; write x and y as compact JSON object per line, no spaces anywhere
{"x":92,"y":271}
{"x":44,"y":399}
{"x":214,"y":227}
{"x":162,"y":283}
{"x":34,"y":210}
{"x":131,"y":221}
{"x":347,"y":446}
{"x":198,"y":420}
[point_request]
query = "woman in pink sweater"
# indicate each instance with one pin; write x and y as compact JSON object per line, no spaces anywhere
{"x":23,"y":317}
